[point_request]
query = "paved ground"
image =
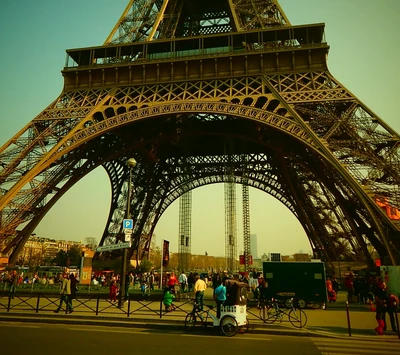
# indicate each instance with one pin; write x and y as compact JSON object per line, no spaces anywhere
{"x":356,"y":321}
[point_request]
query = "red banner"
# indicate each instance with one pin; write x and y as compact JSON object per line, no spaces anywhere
{"x":165,"y":260}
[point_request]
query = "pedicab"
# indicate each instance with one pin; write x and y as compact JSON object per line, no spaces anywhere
{"x":233,"y":312}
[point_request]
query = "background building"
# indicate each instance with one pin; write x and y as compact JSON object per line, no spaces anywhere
{"x":253,"y":246}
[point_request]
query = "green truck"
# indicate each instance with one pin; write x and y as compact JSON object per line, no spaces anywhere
{"x":305,"y":282}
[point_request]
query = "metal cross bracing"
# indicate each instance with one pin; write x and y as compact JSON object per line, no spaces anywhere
{"x":146,"y":20}
{"x":185,"y":231}
{"x":235,"y":76}
{"x":246,"y":218}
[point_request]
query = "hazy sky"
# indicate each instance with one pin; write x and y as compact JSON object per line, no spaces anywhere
{"x":34,"y":35}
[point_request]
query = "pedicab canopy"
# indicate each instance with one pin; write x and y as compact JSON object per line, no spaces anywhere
{"x":236,"y":293}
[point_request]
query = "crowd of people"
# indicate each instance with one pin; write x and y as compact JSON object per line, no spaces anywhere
{"x":373,"y":290}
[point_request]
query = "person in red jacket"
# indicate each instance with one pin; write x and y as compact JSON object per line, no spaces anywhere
{"x":348,"y":283}
{"x":381,"y":301}
{"x":172,"y":281}
{"x":113,"y":291}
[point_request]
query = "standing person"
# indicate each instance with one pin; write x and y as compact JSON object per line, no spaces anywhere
{"x":381,"y":301}
{"x":182,"y":281}
{"x":65,"y":294}
{"x":73,"y":285}
{"x":131,"y":280}
{"x":151,"y":281}
{"x":191,"y":282}
{"x":349,"y":287}
{"x":113,"y":290}
{"x":335,"y":285}
{"x":199,"y":287}
{"x":220,"y":295}
{"x":13,"y":282}
{"x":253,"y":284}
{"x":393,"y":302}
{"x":172,"y":281}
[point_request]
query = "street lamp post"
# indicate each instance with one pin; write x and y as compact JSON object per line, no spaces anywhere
{"x":122,"y":293}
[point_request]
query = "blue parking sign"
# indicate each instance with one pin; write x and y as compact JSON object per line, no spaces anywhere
{"x":128,"y":224}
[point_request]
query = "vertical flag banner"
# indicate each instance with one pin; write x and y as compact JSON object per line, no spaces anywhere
{"x":165,"y":253}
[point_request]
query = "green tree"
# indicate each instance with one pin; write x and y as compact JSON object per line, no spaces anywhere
{"x":71,"y":257}
{"x":144,"y":266}
{"x":75,"y":255}
{"x":60,"y":259}
{"x":91,"y":243}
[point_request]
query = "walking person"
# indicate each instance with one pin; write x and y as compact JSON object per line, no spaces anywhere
{"x":220,"y":295}
{"x":381,"y":301}
{"x":65,"y":294}
{"x":13,"y":282}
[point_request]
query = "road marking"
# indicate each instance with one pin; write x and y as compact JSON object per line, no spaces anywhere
{"x":108,"y":330}
{"x":214,"y":336}
{"x":18,"y":325}
{"x":352,"y":347}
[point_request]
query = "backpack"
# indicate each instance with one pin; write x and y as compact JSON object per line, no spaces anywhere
{"x":392,"y":300}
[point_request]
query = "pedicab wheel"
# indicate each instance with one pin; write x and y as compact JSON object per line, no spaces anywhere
{"x":190,"y":321}
{"x":244,"y":328}
{"x":298,"y":318}
{"x":229,"y":326}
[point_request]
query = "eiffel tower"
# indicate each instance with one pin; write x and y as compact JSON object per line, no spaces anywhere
{"x":196,"y":89}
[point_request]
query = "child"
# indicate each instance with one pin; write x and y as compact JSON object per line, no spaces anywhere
{"x":168,"y":298}
{"x":143,"y":288}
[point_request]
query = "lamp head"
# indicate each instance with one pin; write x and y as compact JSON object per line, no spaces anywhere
{"x":131,"y":162}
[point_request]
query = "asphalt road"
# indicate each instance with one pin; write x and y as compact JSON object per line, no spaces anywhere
{"x":46,"y":339}
{"x":57,"y":339}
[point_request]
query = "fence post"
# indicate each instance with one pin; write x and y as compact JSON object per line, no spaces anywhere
{"x":9,"y":303}
{"x":37,"y":303}
{"x":348,"y":317}
{"x":129,"y":306}
{"x":161,"y":308}
{"x":97,"y":304}
{"x":396,"y":317}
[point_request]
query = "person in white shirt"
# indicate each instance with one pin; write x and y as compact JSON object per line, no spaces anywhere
{"x":182,"y":281}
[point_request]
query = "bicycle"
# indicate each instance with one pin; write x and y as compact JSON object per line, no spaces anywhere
{"x":271,"y":312}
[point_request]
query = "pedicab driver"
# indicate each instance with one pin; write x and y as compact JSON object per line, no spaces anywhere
{"x":220,"y":296}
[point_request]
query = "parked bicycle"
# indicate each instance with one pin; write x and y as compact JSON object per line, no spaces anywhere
{"x":270,"y":312}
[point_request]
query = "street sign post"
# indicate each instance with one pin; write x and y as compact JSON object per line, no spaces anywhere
{"x":128,"y":224}
{"x":114,"y":246}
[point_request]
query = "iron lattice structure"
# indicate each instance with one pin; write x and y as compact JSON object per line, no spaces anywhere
{"x":246,"y":227}
{"x":185,"y":231}
{"x":174,"y":84}
{"x":230,"y":223}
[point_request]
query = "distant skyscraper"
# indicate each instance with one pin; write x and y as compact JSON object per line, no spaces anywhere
{"x":253,"y":246}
